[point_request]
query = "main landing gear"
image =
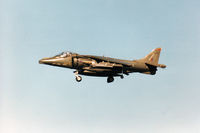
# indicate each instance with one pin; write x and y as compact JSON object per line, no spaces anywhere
{"x":110,"y":79}
{"x":78,"y":78}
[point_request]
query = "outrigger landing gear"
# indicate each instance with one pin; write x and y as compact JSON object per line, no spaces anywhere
{"x":110,"y":79}
{"x":78,"y":78}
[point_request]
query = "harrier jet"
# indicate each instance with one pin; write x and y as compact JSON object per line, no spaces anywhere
{"x":101,"y":66}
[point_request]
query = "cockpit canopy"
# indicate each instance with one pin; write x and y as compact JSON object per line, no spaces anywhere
{"x":65,"y":54}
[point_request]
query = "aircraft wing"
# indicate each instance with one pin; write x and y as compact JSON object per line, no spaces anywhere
{"x":106,"y":59}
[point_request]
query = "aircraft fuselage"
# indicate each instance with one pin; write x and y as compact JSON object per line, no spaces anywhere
{"x":104,"y":66}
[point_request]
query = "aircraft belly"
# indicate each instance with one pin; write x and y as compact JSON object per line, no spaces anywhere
{"x":99,"y":72}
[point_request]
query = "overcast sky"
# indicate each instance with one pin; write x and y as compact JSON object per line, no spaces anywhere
{"x":45,"y":99}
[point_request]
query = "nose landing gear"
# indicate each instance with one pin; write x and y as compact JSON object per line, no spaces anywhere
{"x":78,"y":78}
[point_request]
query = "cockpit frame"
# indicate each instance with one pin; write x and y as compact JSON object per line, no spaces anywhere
{"x":65,"y":54}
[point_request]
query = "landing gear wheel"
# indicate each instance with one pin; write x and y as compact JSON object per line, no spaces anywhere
{"x":78,"y":78}
{"x":110,"y":79}
{"x":121,"y":76}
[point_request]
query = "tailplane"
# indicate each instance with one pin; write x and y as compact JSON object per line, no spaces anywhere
{"x":153,"y":58}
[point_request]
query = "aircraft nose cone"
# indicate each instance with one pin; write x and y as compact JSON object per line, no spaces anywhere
{"x":40,"y":61}
{"x":52,"y":61}
{"x":44,"y":60}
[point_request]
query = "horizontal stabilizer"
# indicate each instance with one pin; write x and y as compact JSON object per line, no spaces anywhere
{"x":162,"y":66}
{"x":158,"y":65}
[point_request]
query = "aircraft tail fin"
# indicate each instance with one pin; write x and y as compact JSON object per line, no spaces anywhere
{"x":152,"y":58}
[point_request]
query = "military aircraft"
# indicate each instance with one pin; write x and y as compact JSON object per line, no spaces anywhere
{"x":101,"y":66}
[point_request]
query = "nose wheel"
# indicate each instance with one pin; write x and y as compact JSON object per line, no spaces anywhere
{"x":78,"y":78}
